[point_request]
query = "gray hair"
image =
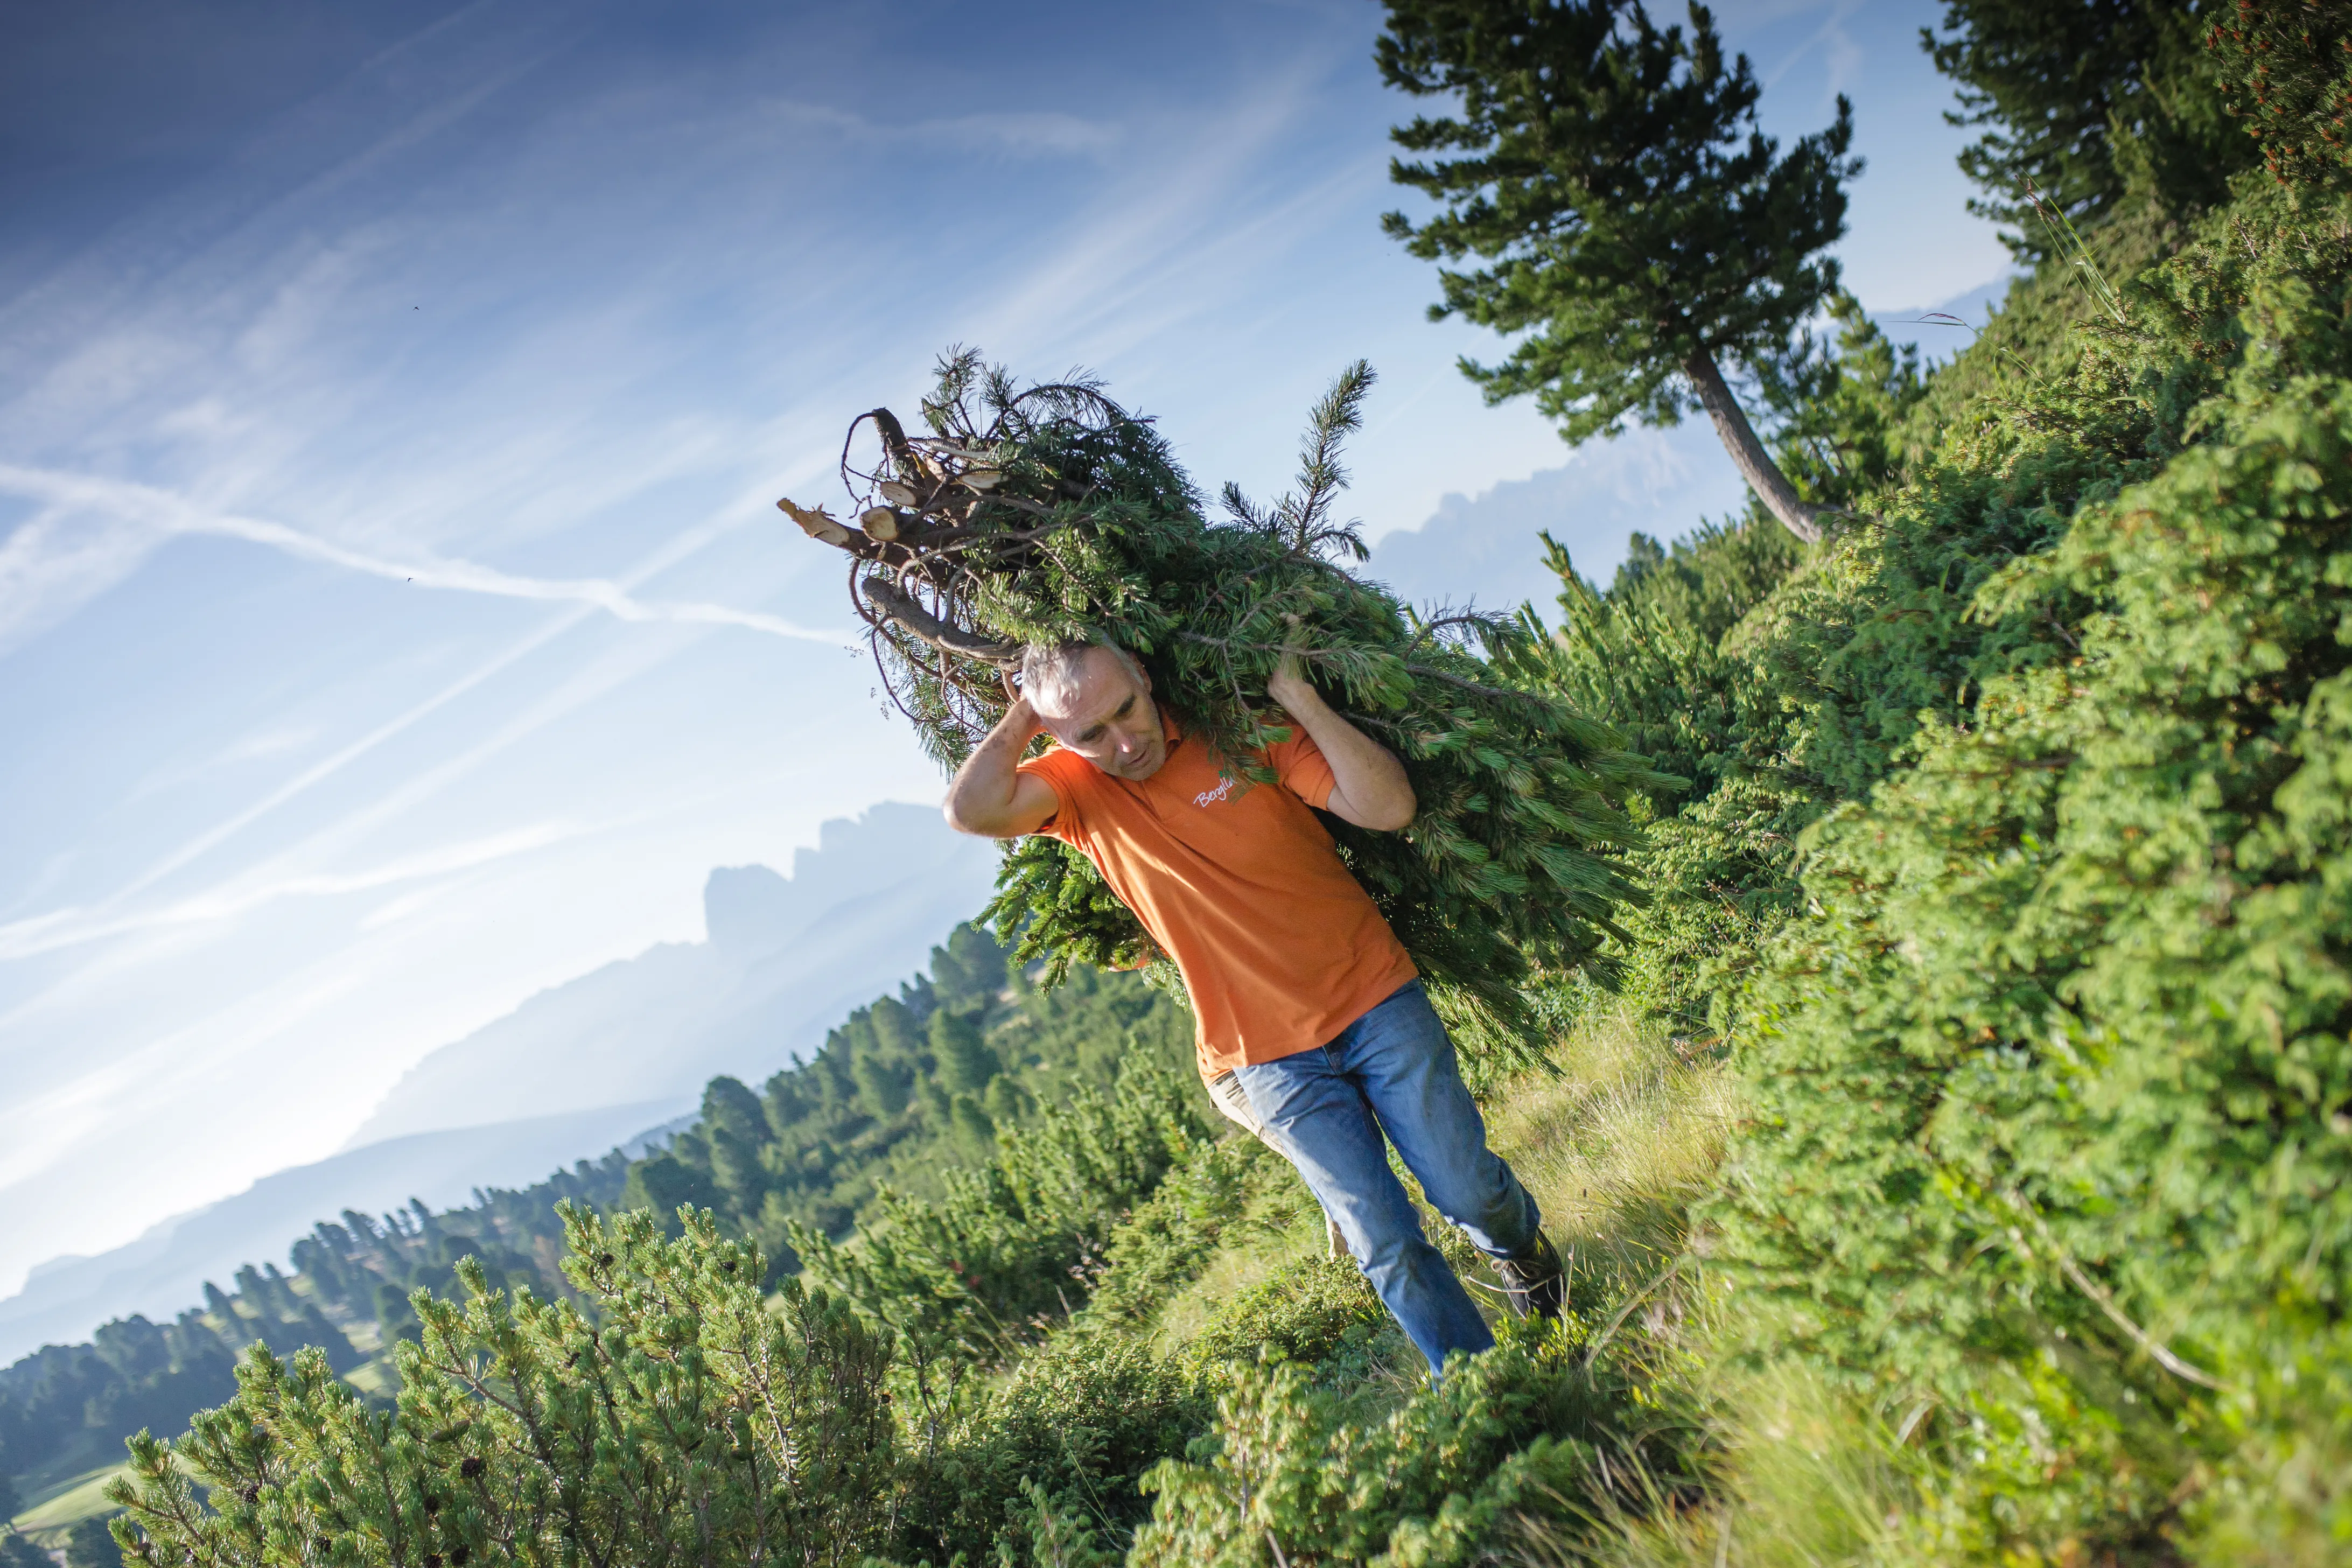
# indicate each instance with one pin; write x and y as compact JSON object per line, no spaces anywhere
{"x":1055,"y":668}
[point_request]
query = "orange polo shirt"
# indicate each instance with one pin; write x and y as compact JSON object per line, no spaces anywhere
{"x":1279,"y":946}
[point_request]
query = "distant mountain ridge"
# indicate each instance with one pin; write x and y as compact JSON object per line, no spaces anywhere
{"x":1483,"y":550}
{"x":784,"y":959}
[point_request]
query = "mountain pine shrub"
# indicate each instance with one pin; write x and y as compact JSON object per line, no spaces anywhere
{"x":982,"y":1272}
{"x":2053,"y":1146}
{"x":1293,"y":1470}
{"x":1779,"y":682}
{"x":2285,"y":74}
{"x":684,"y":1422}
{"x":1054,"y":1448}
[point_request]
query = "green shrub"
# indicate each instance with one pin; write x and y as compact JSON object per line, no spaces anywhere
{"x":687,"y":1422}
{"x":1524,"y":1430}
{"x":1163,"y":1245}
{"x":1320,"y":1313}
{"x":1072,"y":1430}
{"x":1007,"y":1251}
{"x":2054,"y":1097}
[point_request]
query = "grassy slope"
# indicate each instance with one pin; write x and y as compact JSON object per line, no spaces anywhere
{"x":58,"y":1507}
{"x":1612,"y":1141}
{"x":1621,"y":1128}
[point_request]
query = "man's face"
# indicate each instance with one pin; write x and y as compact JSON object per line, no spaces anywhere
{"x":1108,"y":717}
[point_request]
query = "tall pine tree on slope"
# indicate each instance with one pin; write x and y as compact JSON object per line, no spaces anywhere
{"x":1643,"y":232}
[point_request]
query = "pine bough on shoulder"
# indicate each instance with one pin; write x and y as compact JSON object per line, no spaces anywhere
{"x":1050,"y":513}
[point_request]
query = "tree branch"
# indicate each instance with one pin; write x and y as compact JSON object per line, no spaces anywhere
{"x":919,"y":621}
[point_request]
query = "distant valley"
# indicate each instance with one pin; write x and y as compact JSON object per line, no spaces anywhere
{"x":604,"y":1060}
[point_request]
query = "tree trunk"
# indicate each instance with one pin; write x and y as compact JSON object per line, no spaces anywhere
{"x":1756,"y":465}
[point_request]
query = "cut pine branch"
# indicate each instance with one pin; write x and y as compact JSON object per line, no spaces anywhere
{"x":1050,"y":515}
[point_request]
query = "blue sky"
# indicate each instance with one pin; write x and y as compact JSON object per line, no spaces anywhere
{"x":394,"y":619}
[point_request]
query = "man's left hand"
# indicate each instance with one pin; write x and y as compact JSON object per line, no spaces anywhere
{"x":1288,"y":685}
{"x":1369,"y":784}
{"x":1288,"y":688}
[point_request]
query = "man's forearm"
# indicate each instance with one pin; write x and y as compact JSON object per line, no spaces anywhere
{"x":981,"y":796}
{"x":1366,"y":775}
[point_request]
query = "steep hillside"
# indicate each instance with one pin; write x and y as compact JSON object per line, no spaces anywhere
{"x":1961,"y":1173}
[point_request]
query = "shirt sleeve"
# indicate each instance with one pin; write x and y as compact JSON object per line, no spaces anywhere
{"x":1054,"y":768}
{"x":1299,"y":764}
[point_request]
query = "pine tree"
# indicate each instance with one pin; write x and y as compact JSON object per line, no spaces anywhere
{"x":974,"y":1129}
{"x":729,"y":1103}
{"x":216,"y":1302}
{"x":1643,"y":232}
{"x":970,"y":968}
{"x":965,"y":1062}
{"x":1050,"y":514}
{"x":882,"y":1085}
{"x":2085,"y":102}
{"x":663,"y":1184}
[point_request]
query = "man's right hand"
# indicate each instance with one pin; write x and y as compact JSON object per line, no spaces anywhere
{"x":989,"y":796}
{"x":1017,"y":710}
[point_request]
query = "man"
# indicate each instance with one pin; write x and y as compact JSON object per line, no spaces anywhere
{"x":1300,"y":990}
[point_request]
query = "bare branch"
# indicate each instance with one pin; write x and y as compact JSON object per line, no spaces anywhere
{"x":919,"y":621}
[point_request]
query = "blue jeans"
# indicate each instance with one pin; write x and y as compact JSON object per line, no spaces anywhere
{"x":1392,"y":1072}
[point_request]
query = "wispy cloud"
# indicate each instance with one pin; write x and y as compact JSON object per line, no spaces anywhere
{"x":50,"y":555}
{"x":72,"y":927}
{"x":1018,"y":132}
{"x":1830,"y":41}
{"x":55,"y":563}
{"x":1063,"y":135}
{"x":1124,"y":268}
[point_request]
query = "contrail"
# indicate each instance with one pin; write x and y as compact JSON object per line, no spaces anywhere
{"x":172,"y":514}
{"x":73,"y":927}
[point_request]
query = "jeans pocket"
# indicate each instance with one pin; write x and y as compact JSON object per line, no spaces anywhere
{"x":1226,"y":1091}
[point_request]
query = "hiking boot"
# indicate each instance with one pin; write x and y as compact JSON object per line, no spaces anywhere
{"x":1534,"y":1280}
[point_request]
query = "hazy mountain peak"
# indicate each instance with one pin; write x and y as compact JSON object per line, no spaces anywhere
{"x":748,"y":907}
{"x":784,"y":958}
